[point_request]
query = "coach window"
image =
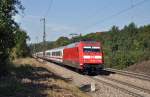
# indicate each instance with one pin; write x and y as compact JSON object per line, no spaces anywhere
{"x":56,"y":53}
{"x":60,"y":53}
{"x":48,"y":53}
{"x":53,"y":53}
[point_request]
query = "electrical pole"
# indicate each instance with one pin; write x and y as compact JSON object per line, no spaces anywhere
{"x":36,"y":44}
{"x":44,"y":36}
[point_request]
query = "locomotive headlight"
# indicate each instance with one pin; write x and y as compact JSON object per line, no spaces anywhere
{"x":86,"y":57}
{"x":98,"y":57}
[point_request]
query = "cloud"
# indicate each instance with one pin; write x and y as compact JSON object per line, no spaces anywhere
{"x":60,"y":28}
{"x":34,"y":28}
{"x":57,"y":30}
{"x":50,"y":27}
{"x":33,"y":17}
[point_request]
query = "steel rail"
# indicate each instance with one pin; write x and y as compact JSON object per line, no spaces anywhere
{"x":131,"y":74}
{"x":128,"y":84}
{"x":117,"y":87}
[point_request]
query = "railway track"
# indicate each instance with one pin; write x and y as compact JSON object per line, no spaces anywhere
{"x":130,"y":89}
{"x":130,"y":74}
{"x":128,"y":84}
{"x":125,"y":87}
{"x":117,"y":87}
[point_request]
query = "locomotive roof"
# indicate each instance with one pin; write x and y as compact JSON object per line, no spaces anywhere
{"x":76,"y":43}
{"x":69,"y":46}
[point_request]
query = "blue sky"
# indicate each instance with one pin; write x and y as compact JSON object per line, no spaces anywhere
{"x":79,"y":16}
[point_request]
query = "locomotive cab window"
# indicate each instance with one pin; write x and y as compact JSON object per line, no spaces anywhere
{"x":91,"y":49}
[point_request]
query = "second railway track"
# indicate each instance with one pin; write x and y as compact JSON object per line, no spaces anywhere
{"x":130,"y":74}
{"x":128,"y":84}
{"x":125,"y":87}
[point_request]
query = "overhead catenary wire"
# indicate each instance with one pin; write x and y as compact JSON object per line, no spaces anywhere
{"x":92,"y":15}
{"x":114,"y":15}
{"x":49,"y":8}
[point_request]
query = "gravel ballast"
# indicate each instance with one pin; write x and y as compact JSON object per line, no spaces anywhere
{"x":102,"y":90}
{"x":135,"y":81}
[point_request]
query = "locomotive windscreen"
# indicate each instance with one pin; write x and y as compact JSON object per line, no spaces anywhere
{"x":91,"y":49}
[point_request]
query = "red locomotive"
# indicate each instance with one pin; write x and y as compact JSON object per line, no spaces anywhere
{"x":86,"y":56}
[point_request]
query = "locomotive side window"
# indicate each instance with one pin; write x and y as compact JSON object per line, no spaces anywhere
{"x":91,"y":49}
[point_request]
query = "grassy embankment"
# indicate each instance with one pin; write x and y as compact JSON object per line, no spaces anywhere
{"x":28,"y":79}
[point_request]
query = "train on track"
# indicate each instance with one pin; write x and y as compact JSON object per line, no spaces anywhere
{"x":84,"y":56}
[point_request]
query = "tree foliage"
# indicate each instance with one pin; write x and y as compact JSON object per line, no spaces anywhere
{"x":20,"y":49}
{"x":8,"y":27}
{"x":126,"y":46}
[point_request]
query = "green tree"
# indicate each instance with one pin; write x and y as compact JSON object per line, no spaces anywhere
{"x":8,"y":9}
{"x":62,"y":41}
{"x":20,"y":49}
